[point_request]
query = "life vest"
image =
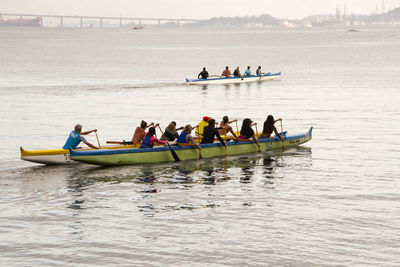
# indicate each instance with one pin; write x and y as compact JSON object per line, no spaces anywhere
{"x":146,"y":142}
{"x":182,"y":137}
{"x":73,"y":140}
{"x":200,"y":129}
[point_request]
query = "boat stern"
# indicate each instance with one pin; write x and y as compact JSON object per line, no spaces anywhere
{"x":309,"y":133}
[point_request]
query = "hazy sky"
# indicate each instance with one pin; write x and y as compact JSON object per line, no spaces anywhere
{"x":191,"y":8}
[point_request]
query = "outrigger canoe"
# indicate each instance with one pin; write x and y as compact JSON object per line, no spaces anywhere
{"x":161,"y":154}
{"x":244,"y":79}
{"x":57,"y":156}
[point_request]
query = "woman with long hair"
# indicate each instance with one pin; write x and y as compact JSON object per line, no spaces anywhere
{"x":226,"y":128}
{"x":246,"y":132}
{"x":269,"y":127}
{"x":170,"y":133}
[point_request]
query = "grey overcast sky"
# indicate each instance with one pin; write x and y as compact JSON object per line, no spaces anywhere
{"x":192,"y":8}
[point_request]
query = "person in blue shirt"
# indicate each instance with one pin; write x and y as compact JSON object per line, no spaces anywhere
{"x":186,"y":136}
{"x":75,"y":137}
{"x":247,"y":72}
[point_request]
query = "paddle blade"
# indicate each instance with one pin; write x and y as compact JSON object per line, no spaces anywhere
{"x":174,"y":155}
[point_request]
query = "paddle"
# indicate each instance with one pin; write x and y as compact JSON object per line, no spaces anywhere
{"x":237,"y":129}
{"x":98,"y":142}
{"x":174,"y":155}
{"x":261,"y":75}
{"x":259,"y":149}
{"x":282,"y":134}
{"x":200,"y":154}
{"x":225,"y":142}
{"x":123,"y":142}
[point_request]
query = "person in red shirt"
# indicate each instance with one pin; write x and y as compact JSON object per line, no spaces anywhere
{"x":226,"y":73}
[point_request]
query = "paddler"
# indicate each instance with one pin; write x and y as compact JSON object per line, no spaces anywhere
{"x":246,"y":132}
{"x":75,"y":137}
{"x":258,"y":71}
{"x":203,"y":74}
{"x":170,"y":133}
{"x":237,"y":73}
{"x":186,"y":136}
{"x":210,"y":132}
{"x":149,"y":140}
{"x":226,"y":73}
{"x":248,"y":71}
{"x":140,"y":132}
{"x":201,"y":125}
{"x":225,"y":127}
{"x":269,"y":127}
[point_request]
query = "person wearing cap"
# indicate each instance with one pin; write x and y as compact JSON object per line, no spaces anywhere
{"x":246,"y":132}
{"x":202,"y":124}
{"x":186,"y":136}
{"x":210,"y":132}
{"x":226,"y":73}
{"x":140,"y":132}
{"x":170,"y":133}
{"x":149,"y":139}
{"x":75,"y":137}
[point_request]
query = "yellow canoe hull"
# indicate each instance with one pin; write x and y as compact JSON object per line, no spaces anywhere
{"x":58,"y":156}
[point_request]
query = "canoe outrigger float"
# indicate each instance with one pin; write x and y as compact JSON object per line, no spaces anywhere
{"x":57,"y":156}
{"x":133,"y":156}
{"x":243,"y":79}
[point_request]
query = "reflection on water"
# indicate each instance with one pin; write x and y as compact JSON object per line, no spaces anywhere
{"x":206,"y":171}
{"x":129,"y":196}
{"x":150,"y":180}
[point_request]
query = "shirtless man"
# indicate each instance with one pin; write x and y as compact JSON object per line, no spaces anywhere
{"x":226,"y":73}
{"x":140,"y":132}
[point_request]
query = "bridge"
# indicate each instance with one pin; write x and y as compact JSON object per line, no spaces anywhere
{"x":119,"y":20}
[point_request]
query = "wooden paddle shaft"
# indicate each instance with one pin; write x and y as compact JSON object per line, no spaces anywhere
{"x":256,"y":130}
{"x":98,"y":142}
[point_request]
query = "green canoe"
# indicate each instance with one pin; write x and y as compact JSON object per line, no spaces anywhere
{"x":134,"y":156}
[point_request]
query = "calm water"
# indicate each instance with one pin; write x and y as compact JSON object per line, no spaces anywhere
{"x":333,"y":202}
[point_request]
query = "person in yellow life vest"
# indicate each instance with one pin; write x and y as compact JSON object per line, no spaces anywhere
{"x":202,"y":124}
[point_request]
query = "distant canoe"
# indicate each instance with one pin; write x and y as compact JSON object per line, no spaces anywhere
{"x":137,"y":28}
{"x":244,"y":79}
{"x":161,"y":154}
